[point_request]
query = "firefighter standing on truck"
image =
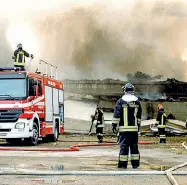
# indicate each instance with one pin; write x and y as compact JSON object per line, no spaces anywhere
{"x":19,"y":57}
{"x":161,"y":123}
{"x":127,"y":114}
{"x":100,"y":124}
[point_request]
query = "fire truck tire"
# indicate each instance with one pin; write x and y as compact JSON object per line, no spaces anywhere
{"x":53,"y":137}
{"x":33,"y":141}
{"x":56,"y":134}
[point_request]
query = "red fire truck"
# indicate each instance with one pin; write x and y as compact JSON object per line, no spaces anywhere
{"x":31,"y":106}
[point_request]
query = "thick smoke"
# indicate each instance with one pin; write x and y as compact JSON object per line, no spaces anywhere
{"x":5,"y":51}
{"x":111,"y":39}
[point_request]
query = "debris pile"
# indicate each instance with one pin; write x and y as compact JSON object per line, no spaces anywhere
{"x":171,"y":88}
{"x":173,"y":127}
{"x":139,"y":76}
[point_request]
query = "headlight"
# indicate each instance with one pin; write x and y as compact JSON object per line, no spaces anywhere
{"x":20,"y":125}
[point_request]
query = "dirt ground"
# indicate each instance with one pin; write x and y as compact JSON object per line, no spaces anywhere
{"x":98,"y":158}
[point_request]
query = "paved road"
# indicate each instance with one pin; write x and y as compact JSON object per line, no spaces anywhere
{"x":84,"y":180}
{"x":89,"y":158}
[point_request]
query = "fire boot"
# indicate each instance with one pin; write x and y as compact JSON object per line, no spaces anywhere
{"x":100,"y":138}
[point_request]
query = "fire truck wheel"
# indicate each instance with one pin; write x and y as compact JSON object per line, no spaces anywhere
{"x":56,"y":135}
{"x":53,"y":137}
{"x":33,"y":141}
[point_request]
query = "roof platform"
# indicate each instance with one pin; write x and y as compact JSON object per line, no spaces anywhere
{"x":10,"y":69}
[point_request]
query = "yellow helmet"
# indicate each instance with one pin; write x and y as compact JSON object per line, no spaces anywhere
{"x":160,"y":106}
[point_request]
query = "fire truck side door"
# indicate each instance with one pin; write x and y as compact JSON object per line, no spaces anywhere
{"x":32,"y":87}
{"x":39,"y":88}
{"x":61,"y":104}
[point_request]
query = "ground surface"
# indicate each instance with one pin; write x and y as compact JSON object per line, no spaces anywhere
{"x":102,"y":158}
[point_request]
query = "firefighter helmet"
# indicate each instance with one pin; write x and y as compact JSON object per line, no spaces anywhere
{"x":160,"y":106}
{"x":19,"y":46}
{"x":129,"y":87}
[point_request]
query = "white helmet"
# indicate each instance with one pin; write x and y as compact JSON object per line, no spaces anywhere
{"x":19,"y":46}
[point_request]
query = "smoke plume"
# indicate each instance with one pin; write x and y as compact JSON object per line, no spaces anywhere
{"x":110,"y":39}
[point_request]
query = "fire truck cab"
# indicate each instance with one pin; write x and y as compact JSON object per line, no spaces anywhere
{"x":31,"y":106}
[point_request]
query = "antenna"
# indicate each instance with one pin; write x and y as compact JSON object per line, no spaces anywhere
{"x":52,"y":66}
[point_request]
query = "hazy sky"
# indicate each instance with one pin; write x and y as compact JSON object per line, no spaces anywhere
{"x":98,"y":39}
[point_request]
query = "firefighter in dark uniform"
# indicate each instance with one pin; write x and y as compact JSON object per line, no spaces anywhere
{"x":127,"y":114}
{"x":100,"y":124}
{"x":19,"y":57}
{"x":161,"y":123}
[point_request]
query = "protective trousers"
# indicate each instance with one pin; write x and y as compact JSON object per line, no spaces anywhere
{"x":99,"y":132}
{"x":162,"y":135}
{"x":128,"y":144}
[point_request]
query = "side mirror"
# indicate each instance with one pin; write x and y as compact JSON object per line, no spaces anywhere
{"x":30,"y":98}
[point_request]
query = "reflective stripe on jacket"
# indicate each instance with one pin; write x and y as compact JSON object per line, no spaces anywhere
{"x":161,"y":119}
{"x":100,"y":120}
{"x":128,"y":114}
{"x":20,"y":57}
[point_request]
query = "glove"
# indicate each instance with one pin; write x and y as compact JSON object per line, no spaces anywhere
{"x":13,"y":57}
{"x":114,"y":128}
{"x":32,"y":56}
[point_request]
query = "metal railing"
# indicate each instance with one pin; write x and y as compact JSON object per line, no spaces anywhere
{"x":55,"y":75}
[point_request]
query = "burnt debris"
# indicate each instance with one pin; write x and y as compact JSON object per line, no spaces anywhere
{"x":169,"y":89}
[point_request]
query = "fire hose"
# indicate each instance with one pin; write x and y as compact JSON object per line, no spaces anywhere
{"x":29,"y":63}
{"x":112,"y":144}
{"x":170,"y":172}
{"x":73,"y":148}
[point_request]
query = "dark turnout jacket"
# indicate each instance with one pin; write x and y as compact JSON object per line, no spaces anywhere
{"x":127,"y":113}
{"x":19,"y":56}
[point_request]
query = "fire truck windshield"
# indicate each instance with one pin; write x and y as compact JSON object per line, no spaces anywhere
{"x":12,"y":88}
